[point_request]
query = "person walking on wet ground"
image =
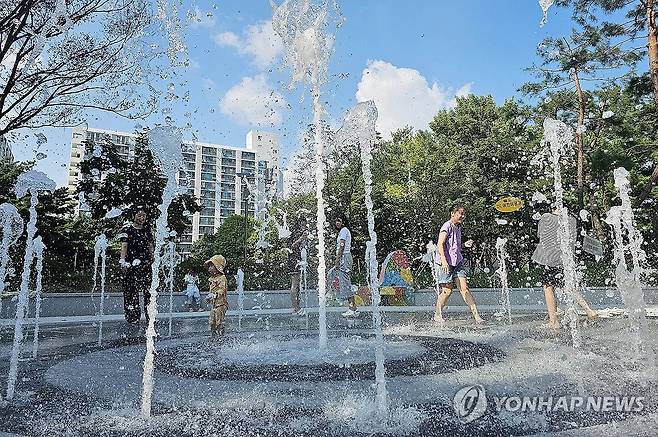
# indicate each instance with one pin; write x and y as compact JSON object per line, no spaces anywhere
{"x":451,"y":266}
{"x":135,"y":261}
{"x":342,"y":270}
{"x":548,"y":255}
{"x":217,"y":294}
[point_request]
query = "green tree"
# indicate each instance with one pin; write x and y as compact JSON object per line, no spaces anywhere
{"x":633,"y":25}
{"x":92,"y":61}
{"x":54,"y":225}
{"x":111,"y":181}
{"x":263,"y":270}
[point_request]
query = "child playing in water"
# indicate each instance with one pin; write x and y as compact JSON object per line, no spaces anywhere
{"x":451,"y":268}
{"x":548,"y":255}
{"x":192,"y":292}
{"x":217,"y":294}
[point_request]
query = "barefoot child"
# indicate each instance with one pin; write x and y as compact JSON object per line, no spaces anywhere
{"x":451,"y":268}
{"x":217,"y":294}
{"x":548,"y":255}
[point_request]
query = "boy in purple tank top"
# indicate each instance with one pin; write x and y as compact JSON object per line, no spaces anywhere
{"x":450,"y":267}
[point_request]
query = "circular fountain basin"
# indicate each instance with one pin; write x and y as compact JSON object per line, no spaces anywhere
{"x":298,"y":358}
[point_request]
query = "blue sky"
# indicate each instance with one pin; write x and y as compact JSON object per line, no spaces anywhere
{"x":411,"y":57}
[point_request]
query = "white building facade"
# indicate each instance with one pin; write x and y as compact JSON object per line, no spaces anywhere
{"x":209,"y":171}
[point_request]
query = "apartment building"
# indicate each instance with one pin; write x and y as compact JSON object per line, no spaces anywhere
{"x":211,"y":172}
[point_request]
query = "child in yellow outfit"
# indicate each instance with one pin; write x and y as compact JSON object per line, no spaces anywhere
{"x":217,"y":294}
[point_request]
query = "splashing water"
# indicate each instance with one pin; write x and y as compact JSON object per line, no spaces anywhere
{"x":240,"y":282}
{"x":629,"y":282}
{"x":165,"y":143}
{"x":501,"y":254}
{"x":303,"y":270}
{"x":359,"y":127}
{"x":168,"y":14}
{"x":558,"y":137}
{"x":545,"y":6}
{"x":60,"y":14}
{"x":431,"y":257}
{"x":113,"y":213}
{"x":12,"y":228}
{"x":100,"y":250}
{"x":303,"y":27}
{"x":29,"y":182}
{"x":170,"y":262}
{"x":39,"y":248}
{"x":283,"y":230}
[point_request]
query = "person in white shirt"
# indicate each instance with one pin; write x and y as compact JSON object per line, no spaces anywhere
{"x":342,"y":268}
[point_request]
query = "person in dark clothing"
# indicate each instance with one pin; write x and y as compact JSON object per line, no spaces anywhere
{"x":296,"y":242}
{"x":136,"y":258}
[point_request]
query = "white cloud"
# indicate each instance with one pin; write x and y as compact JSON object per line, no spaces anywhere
{"x":403,"y":96}
{"x":258,"y":41}
{"x":197,"y":18}
{"x":253,"y":101}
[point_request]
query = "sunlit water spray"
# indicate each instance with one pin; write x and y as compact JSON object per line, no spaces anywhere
{"x":545,"y":5}
{"x":29,"y":182}
{"x":431,"y":257}
{"x":306,"y":28}
{"x":501,"y":255}
{"x":170,"y":265}
{"x":303,"y":282}
{"x":359,"y":128}
{"x":558,"y":137}
{"x":39,"y":248}
{"x":240,"y":285}
{"x":165,"y":144}
{"x":628,"y":243}
{"x":100,"y":250}
{"x":12,"y":228}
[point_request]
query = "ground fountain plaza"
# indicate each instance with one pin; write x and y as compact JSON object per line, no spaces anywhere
{"x":268,"y":377}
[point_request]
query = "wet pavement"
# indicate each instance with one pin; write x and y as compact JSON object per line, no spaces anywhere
{"x":264,"y":378}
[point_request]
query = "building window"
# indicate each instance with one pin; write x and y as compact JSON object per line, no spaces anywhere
{"x":206,"y":230}
{"x":208,"y":167}
{"x":248,"y":165}
{"x":249,"y":155}
{"x":207,"y":176}
{"x":208,"y":159}
{"x":207,"y":194}
{"x":228,"y":153}
{"x":209,"y":151}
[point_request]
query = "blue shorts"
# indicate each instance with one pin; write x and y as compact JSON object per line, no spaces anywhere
{"x":458,"y":271}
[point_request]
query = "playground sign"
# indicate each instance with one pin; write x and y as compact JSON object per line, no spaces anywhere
{"x":509,"y":204}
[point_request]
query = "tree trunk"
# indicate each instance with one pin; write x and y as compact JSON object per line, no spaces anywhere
{"x":595,"y":214}
{"x":652,"y":45}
